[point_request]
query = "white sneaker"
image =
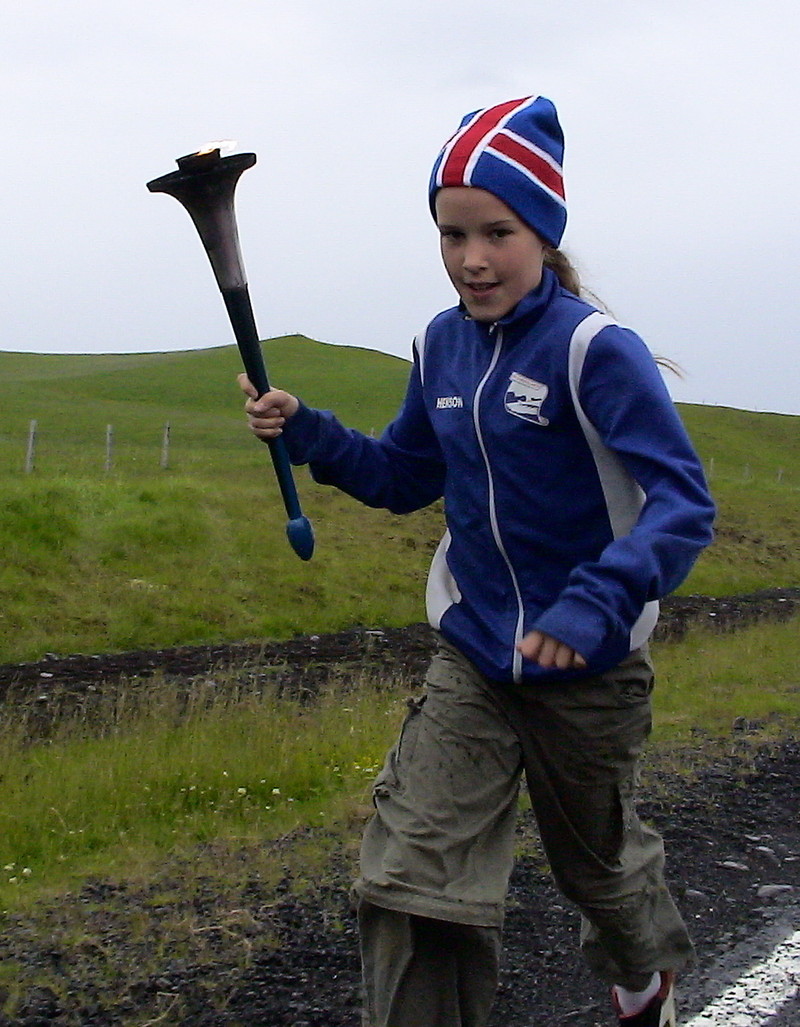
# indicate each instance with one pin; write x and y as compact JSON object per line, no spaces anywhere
{"x":659,"y":1011}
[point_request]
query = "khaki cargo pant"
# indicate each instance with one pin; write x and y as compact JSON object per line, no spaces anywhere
{"x":437,"y":855}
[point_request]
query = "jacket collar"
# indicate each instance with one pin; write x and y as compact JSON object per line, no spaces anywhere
{"x":530,"y":308}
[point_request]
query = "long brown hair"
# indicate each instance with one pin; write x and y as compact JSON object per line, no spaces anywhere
{"x":568,"y":276}
{"x":565,"y":270}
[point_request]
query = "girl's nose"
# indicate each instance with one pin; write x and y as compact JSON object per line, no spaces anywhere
{"x":474,"y":256}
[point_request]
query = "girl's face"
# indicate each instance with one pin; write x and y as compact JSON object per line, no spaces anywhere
{"x":492,"y":257}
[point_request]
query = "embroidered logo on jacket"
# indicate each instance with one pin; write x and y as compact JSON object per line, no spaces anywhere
{"x":524,"y":398}
{"x":449,"y":403}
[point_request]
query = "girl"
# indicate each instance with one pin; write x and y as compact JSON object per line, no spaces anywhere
{"x":573,"y":502}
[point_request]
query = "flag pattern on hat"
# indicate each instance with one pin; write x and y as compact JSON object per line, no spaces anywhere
{"x":487,"y":133}
{"x":525,"y":137}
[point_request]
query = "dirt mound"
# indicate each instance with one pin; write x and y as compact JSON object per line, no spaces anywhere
{"x":402,"y":650}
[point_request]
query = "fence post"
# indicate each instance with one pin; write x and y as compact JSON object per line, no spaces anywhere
{"x":31,"y":450}
{"x":165,"y":448}
{"x":109,"y":447}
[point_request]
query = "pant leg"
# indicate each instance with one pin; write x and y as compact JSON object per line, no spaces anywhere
{"x":441,"y":842}
{"x":437,"y":855}
{"x":581,"y":745}
{"x":420,"y":972}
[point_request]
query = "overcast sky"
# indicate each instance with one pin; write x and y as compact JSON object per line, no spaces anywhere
{"x":681,"y":167}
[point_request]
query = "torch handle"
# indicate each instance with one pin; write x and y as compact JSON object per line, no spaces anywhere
{"x":240,"y":312}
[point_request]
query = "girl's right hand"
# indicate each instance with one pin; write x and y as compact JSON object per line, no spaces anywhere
{"x":549,"y":652}
{"x":268,"y":414}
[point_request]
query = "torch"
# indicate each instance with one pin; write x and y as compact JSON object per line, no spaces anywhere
{"x":205,"y":183}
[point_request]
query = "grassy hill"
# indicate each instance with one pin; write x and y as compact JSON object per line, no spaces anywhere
{"x":143,"y":556}
{"x":73,"y":398}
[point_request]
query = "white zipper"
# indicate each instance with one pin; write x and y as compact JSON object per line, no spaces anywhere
{"x":516,"y":659}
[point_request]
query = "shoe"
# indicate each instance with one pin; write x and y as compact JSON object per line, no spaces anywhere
{"x":659,"y":1011}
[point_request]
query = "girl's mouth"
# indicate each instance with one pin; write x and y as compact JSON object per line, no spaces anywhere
{"x":480,"y":288}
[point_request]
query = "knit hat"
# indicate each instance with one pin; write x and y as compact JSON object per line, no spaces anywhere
{"x":513,"y":150}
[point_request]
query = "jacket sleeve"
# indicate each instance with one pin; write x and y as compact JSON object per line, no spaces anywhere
{"x":401,"y":471}
{"x":624,"y":396}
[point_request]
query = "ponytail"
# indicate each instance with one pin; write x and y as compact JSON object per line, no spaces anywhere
{"x":569,"y":279}
{"x":564,"y":270}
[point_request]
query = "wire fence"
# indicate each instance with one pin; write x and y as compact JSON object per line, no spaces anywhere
{"x":747,"y":473}
{"x":106,"y":455}
{"x":108,"y":460}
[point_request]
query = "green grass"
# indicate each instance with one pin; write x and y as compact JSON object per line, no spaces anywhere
{"x":113,"y":565}
{"x":74,"y":398}
{"x":143,"y":557}
{"x":708,"y":681}
{"x":743,"y":446}
{"x":753,"y":463}
{"x":125,"y":778}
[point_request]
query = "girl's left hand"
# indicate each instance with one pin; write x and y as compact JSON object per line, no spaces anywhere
{"x":548,"y":652}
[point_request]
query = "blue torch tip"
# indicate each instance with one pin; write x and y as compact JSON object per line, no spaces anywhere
{"x":301,"y":537}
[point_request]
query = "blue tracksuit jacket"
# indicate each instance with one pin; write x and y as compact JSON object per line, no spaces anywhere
{"x":574,"y":500}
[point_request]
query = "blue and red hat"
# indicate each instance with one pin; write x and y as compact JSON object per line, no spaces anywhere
{"x":513,"y":150}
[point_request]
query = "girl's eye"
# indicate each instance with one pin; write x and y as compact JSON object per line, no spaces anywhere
{"x":501,"y":233}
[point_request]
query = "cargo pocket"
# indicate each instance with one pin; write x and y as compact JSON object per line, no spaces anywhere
{"x":390,"y":777}
{"x":631,"y":682}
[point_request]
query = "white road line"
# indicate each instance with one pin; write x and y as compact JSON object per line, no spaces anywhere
{"x":758,"y":994}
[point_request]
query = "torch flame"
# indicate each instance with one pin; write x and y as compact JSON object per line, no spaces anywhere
{"x":223,"y":145}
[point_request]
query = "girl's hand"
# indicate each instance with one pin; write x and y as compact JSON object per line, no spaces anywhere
{"x":548,"y":652}
{"x":268,"y":414}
